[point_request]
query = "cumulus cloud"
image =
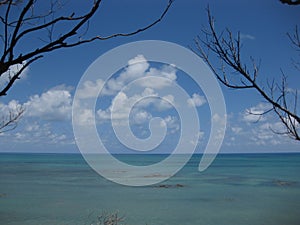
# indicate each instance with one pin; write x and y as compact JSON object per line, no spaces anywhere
{"x":122,"y":105}
{"x":137,"y":67}
{"x":168,"y":72}
{"x":236,"y":130}
{"x":90,"y":89}
{"x":199,"y":138}
{"x":196,"y":100}
{"x":141,"y":116}
{"x":122,"y":102}
{"x":219,"y":122}
{"x":40,"y":111}
{"x":216,"y":118}
{"x":165,"y":103}
{"x":172,"y":123}
{"x":269,"y":131}
{"x":85,"y":117}
{"x":5,"y":77}
{"x":255,"y":113}
{"x":10,"y":107}
{"x":126,"y":108}
{"x":264,"y":135}
{"x":136,"y":104}
{"x":54,"y":104}
{"x":40,"y":133}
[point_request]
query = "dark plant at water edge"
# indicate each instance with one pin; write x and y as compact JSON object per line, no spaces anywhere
{"x":109,"y":219}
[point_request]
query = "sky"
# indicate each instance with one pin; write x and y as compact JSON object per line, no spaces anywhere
{"x":47,"y":88}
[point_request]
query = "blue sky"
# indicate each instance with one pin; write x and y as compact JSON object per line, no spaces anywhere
{"x":48,"y":86}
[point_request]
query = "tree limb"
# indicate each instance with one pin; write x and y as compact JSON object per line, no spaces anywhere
{"x":228,"y":50}
{"x":21,"y":22}
{"x":290,"y":2}
{"x":16,"y":35}
{"x":10,"y":121}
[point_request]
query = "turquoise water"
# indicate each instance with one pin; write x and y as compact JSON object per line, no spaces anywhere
{"x":242,"y":189}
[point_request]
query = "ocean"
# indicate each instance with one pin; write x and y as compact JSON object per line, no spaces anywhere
{"x":237,"y":189}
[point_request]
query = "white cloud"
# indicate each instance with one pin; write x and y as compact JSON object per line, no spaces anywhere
{"x":168,"y":72}
{"x":5,"y":77}
{"x":236,"y":130}
{"x":32,"y":127}
{"x":141,"y":116}
{"x":270,"y":130}
{"x":42,"y":133}
{"x":200,"y":138}
{"x":247,"y":36}
{"x":292,"y":122}
{"x":216,"y":118}
{"x":11,"y":106}
{"x":263,"y":134}
{"x":54,"y":104}
{"x":138,"y":67}
{"x":85,"y":117}
{"x":172,"y":123}
{"x":255,"y":113}
{"x":219,"y":122}
{"x":196,"y":100}
{"x":90,"y":89}
{"x":122,"y":105}
{"x":165,"y":103}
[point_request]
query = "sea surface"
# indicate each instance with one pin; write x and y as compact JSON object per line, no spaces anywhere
{"x":237,"y":189}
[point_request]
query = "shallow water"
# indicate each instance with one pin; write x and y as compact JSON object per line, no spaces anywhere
{"x":243,"y":189}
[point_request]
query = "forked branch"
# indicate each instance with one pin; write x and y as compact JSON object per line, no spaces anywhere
{"x":20,"y":22}
{"x":24,"y":20}
{"x":10,"y":119}
{"x":234,"y":73}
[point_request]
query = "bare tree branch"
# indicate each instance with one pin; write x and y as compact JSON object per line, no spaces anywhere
{"x":290,"y":2}
{"x":227,"y":49}
{"x":23,"y":19}
{"x":16,"y":75}
{"x":14,"y":34}
{"x":295,"y":38}
{"x":10,"y":120}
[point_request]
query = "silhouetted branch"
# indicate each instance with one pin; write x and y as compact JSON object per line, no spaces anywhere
{"x":290,"y":2}
{"x":23,"y":20}
{"x":18,"y":30}
{"x":227,"y":49}
{"x":295,"y":38}
{"x":10,"y":120}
